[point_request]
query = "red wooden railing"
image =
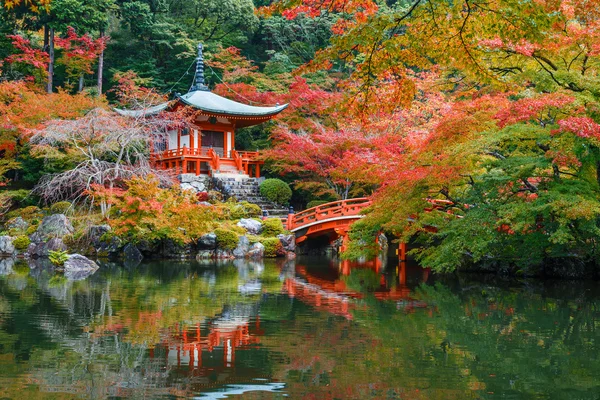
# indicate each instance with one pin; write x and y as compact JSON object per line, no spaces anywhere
{"x":333,"y":210}
{"x":215,"y":161}
{"x":237,"y":159}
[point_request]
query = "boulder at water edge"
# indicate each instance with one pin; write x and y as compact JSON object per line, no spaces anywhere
{"x":242,"y":248}
{"x":207,"y":242}
{"x":288,"y":242}
{"x":257,"y":251}
{"x":6,"y":246}
{"x":78,"y":267}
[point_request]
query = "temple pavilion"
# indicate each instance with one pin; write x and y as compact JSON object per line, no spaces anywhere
{"x":209,"y":146}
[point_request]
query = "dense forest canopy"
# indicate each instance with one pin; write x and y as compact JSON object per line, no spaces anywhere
{"x":491,"y":106}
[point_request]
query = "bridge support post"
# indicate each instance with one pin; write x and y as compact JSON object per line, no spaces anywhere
{"x":402,"y":251}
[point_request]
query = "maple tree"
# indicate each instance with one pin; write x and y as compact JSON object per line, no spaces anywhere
{"x":79,"y":53}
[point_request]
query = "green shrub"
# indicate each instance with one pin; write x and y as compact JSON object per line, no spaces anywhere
{"x":273,"y":247}
{"x":21,"y":242}
{"x":314,"y":203}
{"x":226,"y":240}
{"x":272,"y":227}
{"x":60,"y":208}
{"x":58,"y":257}
{"x":276,"y":190}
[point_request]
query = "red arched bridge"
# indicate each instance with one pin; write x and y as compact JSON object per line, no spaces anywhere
{"x":332,"y":219}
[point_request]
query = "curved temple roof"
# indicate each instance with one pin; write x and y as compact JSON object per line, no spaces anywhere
{"x":213,"y":103}
{"x":210,"y":103}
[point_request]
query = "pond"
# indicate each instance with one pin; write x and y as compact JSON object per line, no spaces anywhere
{"x":305,"y":328}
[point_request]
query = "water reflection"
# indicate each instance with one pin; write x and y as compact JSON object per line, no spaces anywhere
{"x":306,"y":328}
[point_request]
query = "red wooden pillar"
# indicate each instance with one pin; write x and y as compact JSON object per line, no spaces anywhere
{"x":192,"y":141}
{"x":258,"y":170}
{"x":197,"y":167}
{"x":402,"y":273}
{"x":402,"y":252}
{"x":185,"y":165}
{"x":178,"y":140}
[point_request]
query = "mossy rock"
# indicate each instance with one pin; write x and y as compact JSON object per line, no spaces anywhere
{"x":226,"y":239}
{"x":273,"y":247}
{"x":21,"y":242}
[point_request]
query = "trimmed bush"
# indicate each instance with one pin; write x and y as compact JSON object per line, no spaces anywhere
{"x":276,"y":190}
{"x":60,"y":208}
{"x":226,"y":240}
{"x":314,"y":203}
{"x":273,"y":247}
{"x":272,"y":227}
{"x":21,"y":242}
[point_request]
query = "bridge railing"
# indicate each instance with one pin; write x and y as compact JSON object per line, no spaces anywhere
{"x":335,"y":209}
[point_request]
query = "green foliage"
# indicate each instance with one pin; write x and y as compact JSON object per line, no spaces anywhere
{"x":29,"y":214}
{"x":272,"y":227}
{"x":276,"y":190}
{"x":60,"y":208}
{"x":21,"y":242}
{"x":242,"y":210}
{"x":273,"y":247}
{"x":315,"y":203}
{"x":58,"y":257}
{"x":31,"y":229}
{"x":226,"y":239}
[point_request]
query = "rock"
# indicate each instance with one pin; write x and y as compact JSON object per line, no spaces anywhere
{"x":78,"y":267}
{"x":288,"y":242}
{"x":6,"y":266}
{"x":187,"y":186}
{"x":242,"y":248}
{"x":223,"y":254}
{"x":257,"y":251}
{"x":290,"y":255}
{"x":41,"y":249}
{"x":95,"y":233}
{"x":251,"y":226}
{"x":6,"y":246}
{"x":383,"y":242}
{"x":205,"y":254}
{"x":56,"y":225}
{"x":205,"y":203}
{"x":18,"y":223}
{"x":207,"y":242}
{"x":199,"y":186}
{"x":131,"y":255}
{"x":187,"y":178}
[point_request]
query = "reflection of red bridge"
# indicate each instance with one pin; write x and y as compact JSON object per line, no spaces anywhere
{"x":330,"y":218}
{"x":334,"y":296}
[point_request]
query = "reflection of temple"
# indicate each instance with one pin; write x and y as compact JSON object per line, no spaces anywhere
{"x":206,"y":349}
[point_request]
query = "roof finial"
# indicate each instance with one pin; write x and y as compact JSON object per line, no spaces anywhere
{"x":200,"y":83}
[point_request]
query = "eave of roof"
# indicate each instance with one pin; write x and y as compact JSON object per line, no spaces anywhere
{"x":210,"y":103}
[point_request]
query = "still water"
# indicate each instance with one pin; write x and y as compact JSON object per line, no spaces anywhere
{"x":303,"y":329}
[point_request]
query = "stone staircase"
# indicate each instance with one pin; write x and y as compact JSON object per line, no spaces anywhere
{"x":244,"y":188}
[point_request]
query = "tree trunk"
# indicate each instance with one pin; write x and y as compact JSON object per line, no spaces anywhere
{"x":100,"y":67}
{"x":51,"y":61}
{"x":80,"y":83}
